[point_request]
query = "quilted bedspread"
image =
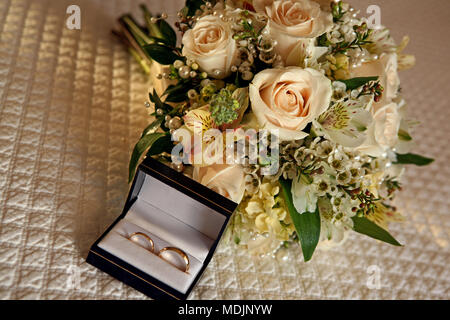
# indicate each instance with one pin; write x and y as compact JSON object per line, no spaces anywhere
{"x":71,"y":108}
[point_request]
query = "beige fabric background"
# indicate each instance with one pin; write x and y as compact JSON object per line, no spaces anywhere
{"x":71,"y":108}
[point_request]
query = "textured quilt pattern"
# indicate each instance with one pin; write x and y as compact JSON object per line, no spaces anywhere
{"x":71,"y":108}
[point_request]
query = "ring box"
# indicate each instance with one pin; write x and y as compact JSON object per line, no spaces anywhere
{"x":174,"y":211}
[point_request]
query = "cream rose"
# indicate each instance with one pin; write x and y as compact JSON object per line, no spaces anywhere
{"x":325,"y":4}
{"x":288,"y":99}
{"x":227,"y":180}
{"x":383,"y":132}
{"x":260,"y":5}
{"x":294,"y":24}
{"x":210,"y":43}
{"x":386,"y":69}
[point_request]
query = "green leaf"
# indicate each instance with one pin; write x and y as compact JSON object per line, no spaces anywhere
{"x":403,"y":135}
{"x":176,"y":93}
{"x":161,"y":54}
{"x":168,"y":34}
{"x":163,"y":144}
{"x":157,"y":101}
{"x":323,"y":41}
{"x":160,"y":41}
{"x":306,"y":224}
{"x":177,"y":97}
{"x":355,"y":83}
{"x":143,"y":144}
{"x":365,"y":226}
{"x":152,"y":126}
{"x":411,"y":158}
{"x":193,"y":6}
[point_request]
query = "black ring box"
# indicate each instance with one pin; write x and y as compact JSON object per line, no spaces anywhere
{"x":135,"y":277}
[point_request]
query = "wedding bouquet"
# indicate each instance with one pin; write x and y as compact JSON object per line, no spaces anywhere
{"x":290,"y":108}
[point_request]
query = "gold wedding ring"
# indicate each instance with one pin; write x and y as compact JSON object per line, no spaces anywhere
{"x":146,"y":237}
{"x":179,"y":252}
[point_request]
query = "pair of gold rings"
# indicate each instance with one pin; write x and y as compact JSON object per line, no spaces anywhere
{"x":180,"y":252}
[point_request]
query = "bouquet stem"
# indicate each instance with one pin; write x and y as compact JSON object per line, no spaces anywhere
{"x":136,"y":37}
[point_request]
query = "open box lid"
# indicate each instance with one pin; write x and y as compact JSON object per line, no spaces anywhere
{"x":183,"y":205}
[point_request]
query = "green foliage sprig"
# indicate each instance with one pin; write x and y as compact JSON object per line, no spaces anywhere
{"x":249,"y":32}
{"x":224,"y":107}
{"x":355,"y":83}
{"x":337,"y":11}
{"x":156,"y":40}
{"x":362,"y":36}
{"x":155,"y":138}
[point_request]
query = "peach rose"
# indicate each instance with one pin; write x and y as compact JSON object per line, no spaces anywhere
{"x":294,"y":24}
{"x":227,"y":180}
{"x":260,"y":5}
{"x":288,"y":99}
{"x":210,"y":43}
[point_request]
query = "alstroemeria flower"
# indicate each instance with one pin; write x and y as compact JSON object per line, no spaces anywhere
{"x":345,"y":122}
{"x":208,"y":142}
{"x":199,"y":119}
{"x":304,"y":196}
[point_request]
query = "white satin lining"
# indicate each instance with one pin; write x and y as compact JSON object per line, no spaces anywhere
{"x":117,"y":243}
{"x":170,"y":218}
